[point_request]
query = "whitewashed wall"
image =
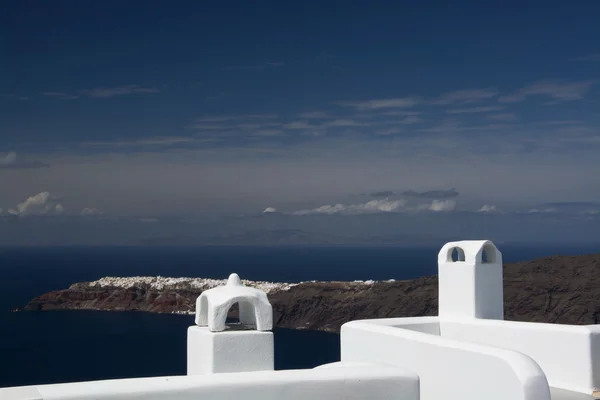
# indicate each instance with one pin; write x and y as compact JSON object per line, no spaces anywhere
{"x":448,"y":369}
{"x":569,"y":355}
{"x":336,"y":382}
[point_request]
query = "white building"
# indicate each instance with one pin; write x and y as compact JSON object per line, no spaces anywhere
{"x":467,"y":352}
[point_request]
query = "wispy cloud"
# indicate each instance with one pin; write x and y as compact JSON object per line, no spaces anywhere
{"x":557,"y":90}
{"x":465,"y":96}
{"x":91,"y":212}
{"x":370,"y":207}
{"x":41,"y":204}
{"x":299,"y":125}
{"x":314,"y":115}
{"x":381,"y":193}
{"x":268,"y":132}
{"x":439,"y":206}
{"x":388,"y":131}
{"x":102,"y":92}
{"x":402,"y":113}
{"x":401,"y":102}
{"x":13,"y":96}
{"x":152,"y":141}
{"x":503,"y":117}
{"x":344,"y":122}
{"x":432,"y":194}
{"x":117,"y":91}
{"x":60,"y":95}
{"x":411,"y":120}
{"x":474,"y":110}
{"x":487,"y":208}
{"x":378,"y":207}
{"x":229,"y":118}
{"x":570,"y":207}
{"x":210,"y":127}
{"x":277,"y":64}
{"x":588,"y":57}
{"x":13,"y":161}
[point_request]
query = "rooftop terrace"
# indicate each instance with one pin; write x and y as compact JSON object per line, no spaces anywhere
{"x":466,"y":352}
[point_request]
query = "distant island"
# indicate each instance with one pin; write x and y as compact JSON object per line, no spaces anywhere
{"x":558,"y":289}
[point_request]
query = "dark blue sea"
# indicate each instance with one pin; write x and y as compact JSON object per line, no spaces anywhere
{"x":65,"y":346}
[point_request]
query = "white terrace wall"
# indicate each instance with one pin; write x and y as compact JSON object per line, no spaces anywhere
{"x":360,"y":383}
{"x":447,"y":369}
{"x":569,"y":355}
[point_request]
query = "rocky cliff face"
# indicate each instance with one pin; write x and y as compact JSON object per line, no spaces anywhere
{"x":553,"y":289}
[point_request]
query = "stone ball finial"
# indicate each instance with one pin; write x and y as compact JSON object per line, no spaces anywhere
{"x":213,"y":305}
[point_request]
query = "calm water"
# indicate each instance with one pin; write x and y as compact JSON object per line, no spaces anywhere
{"x":64,"y":346}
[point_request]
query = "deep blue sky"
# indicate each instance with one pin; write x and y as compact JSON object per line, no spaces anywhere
{"x":186,"y":108}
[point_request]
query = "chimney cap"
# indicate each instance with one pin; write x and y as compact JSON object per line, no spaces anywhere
{"x":213,"y":305}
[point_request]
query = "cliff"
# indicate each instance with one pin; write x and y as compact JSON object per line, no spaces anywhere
{"x":556,"y":289}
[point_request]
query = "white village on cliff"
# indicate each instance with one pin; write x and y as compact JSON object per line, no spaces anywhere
{"x":467,"y":352}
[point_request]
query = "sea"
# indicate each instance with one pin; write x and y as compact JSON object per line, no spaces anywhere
{"x":71,"y":346}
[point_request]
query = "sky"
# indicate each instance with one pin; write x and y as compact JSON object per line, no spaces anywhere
{"x":284,"y":114}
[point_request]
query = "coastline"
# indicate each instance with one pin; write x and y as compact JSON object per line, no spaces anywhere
{"x":557,"y":289}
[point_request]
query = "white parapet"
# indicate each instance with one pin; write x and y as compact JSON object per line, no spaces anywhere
{"x":215,"y":347}
{"x":447,"y":369}
{"x":361,"y":382}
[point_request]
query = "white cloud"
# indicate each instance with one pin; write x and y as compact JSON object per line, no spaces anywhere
{"x":13,"y":161}
{"x":8,"y":159}
{"x":465,"y":96}
{"x":117,"y":91}
{"x":402,"y":102}
{"x":388,"y":131}
{"x":274,"y":64}
{"x":60,"y":95}
{"x":12,"y":97}
{"x":557,"y":90}
{"x":89,"y":212}
{"x":542,"y":210}
{"x":241,"y":117}
{"x":439,"y":205}
{"x":588,"y":57}
{"x":299,"y":125}
{"x":269,"y":210}
{"x":102,"y":92}
{"x":152,"y":141}
{"x":411,"y":120}
{"x":41,"y":204}
{"x":402,"y":112}
{"x":487,"y":208}
{"x":210,"y":127}
{"x":314,"y":115}
{"x":473,"y":110}
{"x":268,"y":132}
{"x":344,"y":122}
{"x":503,"y":117}
{"x":370,"y":207}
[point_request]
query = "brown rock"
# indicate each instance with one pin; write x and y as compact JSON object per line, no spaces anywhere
{"x":553,"y":289}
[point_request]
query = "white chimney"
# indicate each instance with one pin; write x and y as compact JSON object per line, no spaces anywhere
{"x":215,"y":347}
{"x":470,"y":280}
